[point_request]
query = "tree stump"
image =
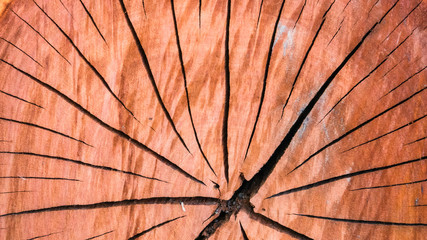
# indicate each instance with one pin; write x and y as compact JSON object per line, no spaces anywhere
{"x":185,"y":119}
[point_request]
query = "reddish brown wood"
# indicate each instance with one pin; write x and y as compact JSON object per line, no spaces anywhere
{"x":88,"y":151}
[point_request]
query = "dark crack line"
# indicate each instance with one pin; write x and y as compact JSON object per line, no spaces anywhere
{"x":372,"y":7}
{"x":300,"y":13}
{"x":363,"y":221}
{"x":260,"y":177}
{"x":100,"y":235}
{"x":40,"y":178}
{"x":42,"y":236}
{"x":305,"y":58}
{"x":259,"y":14}
{"x":419,"y":139}
{"x":356,"y":128}
{"x":391,"y":69}
{"x":344,"y":176}
{"x":149,"y":72}
{"x":227,"y":94}
{"x":242,"y":230}
{"x":14,"y":192}
{"x":81,"y":163}
{"x":92,"y":67}
{"x":264,"y":84}
{"x":93,"y":21}
{"x":46,"y":129}
{"x":26,"y":54}
{"x":365,"y":77}
{"x":38,"y":33}
{"x":106,"y":126}
{"x":385,"y":134}
{"x":21,"y":99}
{"x":345,"y":6}
{"x":143,"y":7}
{"x":339,"y":28}
{"x":186,"y":87}
{"x":122,"y":203}
{"x":153,"y":227}
{"x":248,"y":189}
{"x":400,"y":84}
{"x":200,"y":14}
{"x":387,"y":186}
{"x":268,"y":222}
{"x":66,"y":9}
{"x":407,"y":15}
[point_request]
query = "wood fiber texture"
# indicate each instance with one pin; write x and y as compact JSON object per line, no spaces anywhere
{"x":185,"y":119}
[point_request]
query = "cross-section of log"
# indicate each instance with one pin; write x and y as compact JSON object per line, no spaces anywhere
{"x":185,"y":119}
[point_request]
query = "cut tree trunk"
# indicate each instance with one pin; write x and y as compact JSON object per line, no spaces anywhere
{"x":185,"y":119}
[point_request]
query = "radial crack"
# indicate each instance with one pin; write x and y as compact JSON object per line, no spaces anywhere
{"x":264,"y":84}
{"x":227,"y":94}
{"x":242,"y":230}
{"x":21,"y":99}
{"x":387,"y":133}
{"x":122,"y":203}
{"x":259,"y":14}
{"x":305,"y":58}
{"x":391,"y":185}
{"x":100,"y":235}
{"x":26,"y":54}
{"x":44,"y":128}
{"x":300,"y":13}
{"x":407,"y":15}
{"x":344,"y":176}
{"x":105,"y":125}
{"x":186,"y":87}
{"x":149,"y":72}
{"x":268,"y":222}
{"x":92,"y":67}
{"x":40,"y":178}
{"x":81,"y":163}
{"x":356,"y":128}
{"x":153,"y":227}
{"x":365,"y":77}
{"x":38,"y":33}
{"x":93,"y":21}
{"x":400,"y":84}
{"x":363,"y":221}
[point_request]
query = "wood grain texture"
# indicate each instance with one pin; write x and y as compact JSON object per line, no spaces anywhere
{"x":185,"y":119}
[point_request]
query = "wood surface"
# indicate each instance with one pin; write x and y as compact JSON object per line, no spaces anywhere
{"x":185,"y":119}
